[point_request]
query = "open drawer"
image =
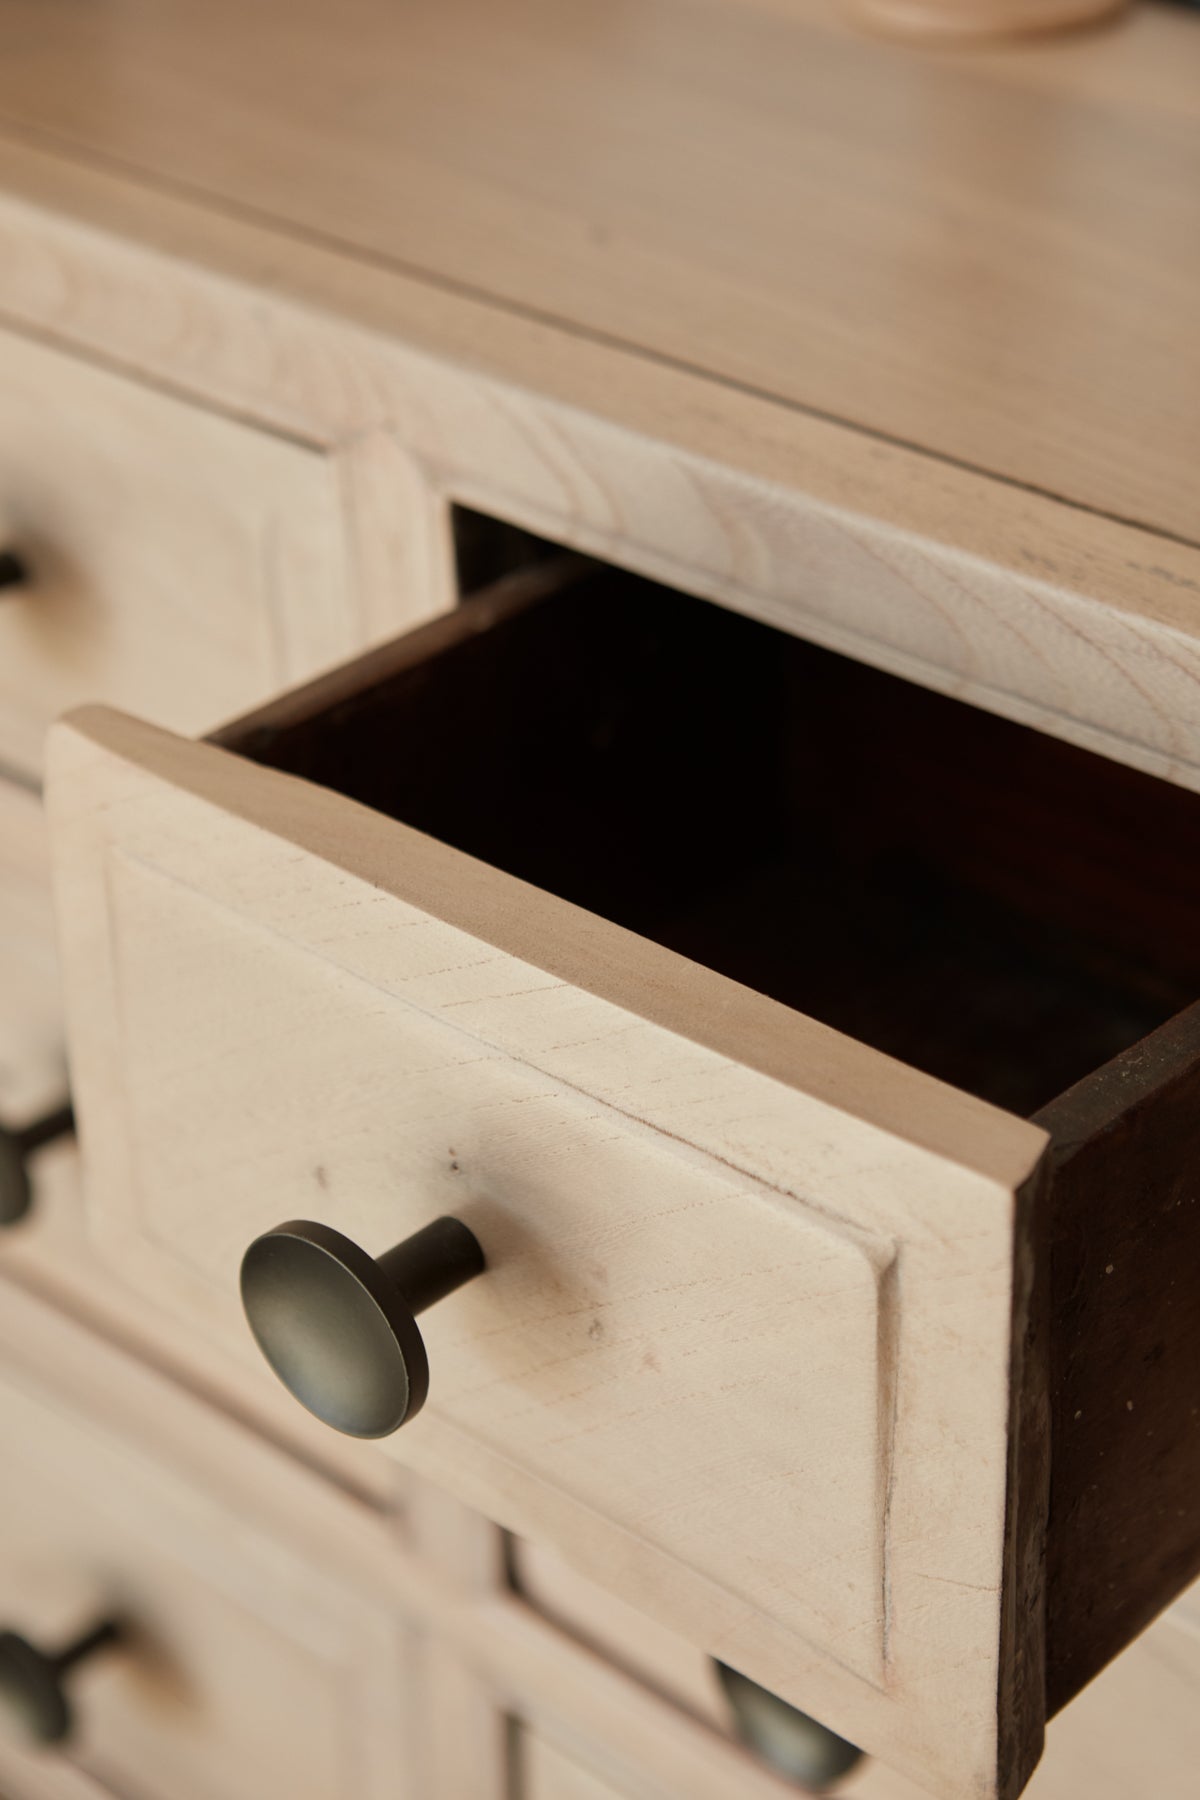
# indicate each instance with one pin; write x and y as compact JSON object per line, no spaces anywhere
{"x":648,"y":942}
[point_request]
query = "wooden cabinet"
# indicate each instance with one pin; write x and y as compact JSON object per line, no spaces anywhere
{"x":813,"y":1056}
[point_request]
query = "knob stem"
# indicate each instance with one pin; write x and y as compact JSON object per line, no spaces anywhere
{"x":34,"y":1700}
{"x":433,"y":1262}
{"x":16,"y":1189}
{"x":99,"y":1638}
{"x":43,"y":1131}
{"x":13,"y":572}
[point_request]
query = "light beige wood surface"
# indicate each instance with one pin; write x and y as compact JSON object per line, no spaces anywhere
{"x":697,"y":1206}
{"x":548,"y":1773}
{"x":467,"y":1733}
{"x":954,"y":251}
{"x":496,"y":1673}
{"x":180,"y":560}
{"x":1074,"y":622}
{"x":261,"y":1657}
{"x":562,"y":1691}
{"x":33,"y":1062}
{"x":23,"y":1777}
{"x":666,"y":1662}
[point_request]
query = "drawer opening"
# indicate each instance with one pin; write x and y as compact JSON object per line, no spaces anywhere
{"x":487,"y":549}
{"x":1000,"y":909}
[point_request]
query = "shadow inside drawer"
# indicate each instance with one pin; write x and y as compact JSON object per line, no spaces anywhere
{"x":998,"y":908}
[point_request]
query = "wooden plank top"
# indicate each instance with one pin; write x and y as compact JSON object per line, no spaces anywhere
{"x":993,"y":255}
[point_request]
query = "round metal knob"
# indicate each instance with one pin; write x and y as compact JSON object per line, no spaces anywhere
{"x":13,"y":572}
{"x":16,"y":1189}
{"x":784,"y":1737}
{"x":339,"y":1327}
{"x":33,"y":1702}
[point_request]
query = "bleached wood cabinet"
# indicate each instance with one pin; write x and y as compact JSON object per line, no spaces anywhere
{"x":623,"y":598}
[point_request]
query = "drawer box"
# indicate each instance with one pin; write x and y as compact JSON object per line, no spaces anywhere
{"x":257,"y":1659}
{"x":528,"y":922}
{"x":179,"y":563}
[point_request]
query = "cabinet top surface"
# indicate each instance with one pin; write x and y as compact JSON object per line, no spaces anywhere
{"x":992,"y":254}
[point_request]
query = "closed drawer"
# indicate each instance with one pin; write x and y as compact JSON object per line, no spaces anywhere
{"x":666,"y":1663}
{"x":782,"y":1750}
{"x":178,"y":563}
{"x":779,"y":1330}
{"x":256,"y":1657}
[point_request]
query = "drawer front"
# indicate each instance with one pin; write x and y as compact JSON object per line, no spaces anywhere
{"x":178,"y":562}
{"x":250,"y":1664}
{"x":33,"y":1068}
{"x":736,"y":1353}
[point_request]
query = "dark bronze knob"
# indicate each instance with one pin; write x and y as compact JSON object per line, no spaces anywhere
{"x":16,"y":1189}
{"x":339,"y":1327}
{"x":33,"y":1699}
{"x":13,"y":572}
{"x":785,"y":1738}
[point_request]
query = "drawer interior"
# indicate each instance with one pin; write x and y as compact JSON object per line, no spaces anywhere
{"x":999,"y":909}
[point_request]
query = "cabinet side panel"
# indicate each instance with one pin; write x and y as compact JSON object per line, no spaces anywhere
{"x":1124,"y":1533}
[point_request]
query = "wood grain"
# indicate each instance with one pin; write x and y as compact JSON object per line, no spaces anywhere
{"x":1059,"y":617}
{"x":976,"y":278}
{"x":610,"y":1117}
